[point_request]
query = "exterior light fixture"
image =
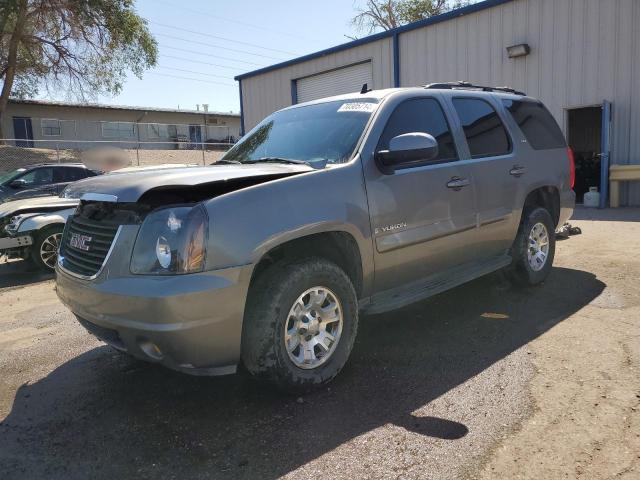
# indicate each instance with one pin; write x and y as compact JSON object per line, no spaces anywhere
{"x":520,"y":50}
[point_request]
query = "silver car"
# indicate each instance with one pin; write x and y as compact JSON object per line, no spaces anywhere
{"x":354,"y":204}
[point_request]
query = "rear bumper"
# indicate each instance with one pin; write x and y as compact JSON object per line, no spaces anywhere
{"x":567,"y":205}
{"x":191,"y":323}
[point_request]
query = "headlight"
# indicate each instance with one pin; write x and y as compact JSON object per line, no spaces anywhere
{"x":14,"y":224}
{"x":171,"y":241}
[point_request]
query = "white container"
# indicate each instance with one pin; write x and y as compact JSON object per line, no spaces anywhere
{"x":592,"y":198}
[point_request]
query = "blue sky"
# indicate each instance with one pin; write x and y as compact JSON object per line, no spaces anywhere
{"x":252,"y":34}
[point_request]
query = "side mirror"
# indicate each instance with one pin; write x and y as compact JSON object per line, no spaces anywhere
{"x":406,"y":149}
{"x":20,"y":183}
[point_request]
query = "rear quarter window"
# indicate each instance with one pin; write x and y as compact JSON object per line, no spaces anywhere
{"x":537,"y":124}
{"x":483,"y":128}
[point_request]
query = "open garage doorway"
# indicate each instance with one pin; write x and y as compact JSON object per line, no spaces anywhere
{"x":585,"y":138}
{"x":588,"y":135}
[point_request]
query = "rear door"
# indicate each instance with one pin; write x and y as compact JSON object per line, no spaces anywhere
{"x":423,"y":216}
{"x":65,"y":175}
{"x":495,"y":170}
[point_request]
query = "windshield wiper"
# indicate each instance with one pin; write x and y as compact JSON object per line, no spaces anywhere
{"x":278,"y":160}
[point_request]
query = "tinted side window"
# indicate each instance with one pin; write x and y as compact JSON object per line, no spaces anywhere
{"x":537,"y":124}
{"x":38,"y":176}
{"x":71,"y":174}
{"x":421,"y":115}
{"x":483,"y":128}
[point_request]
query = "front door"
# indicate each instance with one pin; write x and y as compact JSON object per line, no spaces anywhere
{"x":422,"y":217}
{"x":195,"y":135}
{"x":23,"y":131}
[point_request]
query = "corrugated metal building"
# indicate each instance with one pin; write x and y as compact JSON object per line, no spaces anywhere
{"x":584,"y":54}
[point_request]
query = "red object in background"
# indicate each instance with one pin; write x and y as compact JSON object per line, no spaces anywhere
{"x":572,"y":167}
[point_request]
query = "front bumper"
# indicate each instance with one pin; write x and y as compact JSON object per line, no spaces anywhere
{"x":191,"y":323}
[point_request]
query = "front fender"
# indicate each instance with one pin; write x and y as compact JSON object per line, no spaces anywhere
{"x":246,"y":224}
{"x":37,"y":222}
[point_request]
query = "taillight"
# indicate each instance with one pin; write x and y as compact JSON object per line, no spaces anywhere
{"x":572,"y":167}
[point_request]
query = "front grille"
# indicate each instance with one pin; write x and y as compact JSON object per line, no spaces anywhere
{"x":90,"y":232}
{"x":96,"y":238}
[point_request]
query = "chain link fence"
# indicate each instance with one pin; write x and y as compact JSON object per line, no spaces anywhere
{"x":108,"y":155}
{"x":107,"y":145}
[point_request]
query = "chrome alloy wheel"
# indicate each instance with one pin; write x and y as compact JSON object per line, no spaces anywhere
{"x":49,"y":250}
{"x":313,"y":327}
{"x":538,"y":249}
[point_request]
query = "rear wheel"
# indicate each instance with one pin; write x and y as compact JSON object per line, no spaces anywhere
{"x":300,"y":324}
{"x":44,"y":251}
{"x":534,"y":248}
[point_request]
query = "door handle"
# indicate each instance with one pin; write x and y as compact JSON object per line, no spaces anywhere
{"x":456,"y":183}
{"x":517,"y":171}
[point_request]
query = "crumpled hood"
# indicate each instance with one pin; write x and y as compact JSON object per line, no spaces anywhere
{"x":129,"y":187}
{"x":38,"y":204}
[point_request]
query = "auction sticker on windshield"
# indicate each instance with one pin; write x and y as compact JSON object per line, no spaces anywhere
{"x":357,"y":107}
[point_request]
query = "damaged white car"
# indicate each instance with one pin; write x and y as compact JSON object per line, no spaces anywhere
{"x":31,"y":229}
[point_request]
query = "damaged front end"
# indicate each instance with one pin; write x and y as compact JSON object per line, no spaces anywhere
{"x":164,"y":208}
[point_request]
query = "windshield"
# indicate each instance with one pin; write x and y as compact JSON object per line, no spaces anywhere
{"x":8,"y":176}
{"x":318,"y":134}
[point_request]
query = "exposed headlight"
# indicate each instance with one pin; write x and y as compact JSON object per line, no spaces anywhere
{"x":171,"y":241}
{"x":14,"y":224}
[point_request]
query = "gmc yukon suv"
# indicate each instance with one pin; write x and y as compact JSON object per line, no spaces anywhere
{"x":353,"y":204}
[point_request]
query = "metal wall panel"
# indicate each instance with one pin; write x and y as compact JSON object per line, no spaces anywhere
{"x":264,"y":94}
{"x":582,"y":52}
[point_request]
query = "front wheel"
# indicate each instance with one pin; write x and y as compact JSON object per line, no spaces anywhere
{"x":533,"y":249}
{"x":44,"y":251}
{"x":300,"y":324}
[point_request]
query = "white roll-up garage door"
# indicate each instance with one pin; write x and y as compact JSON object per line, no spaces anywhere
{"x":336,"y":82}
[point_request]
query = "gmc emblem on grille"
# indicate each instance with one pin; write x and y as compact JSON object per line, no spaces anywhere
{"x":80,"y":241}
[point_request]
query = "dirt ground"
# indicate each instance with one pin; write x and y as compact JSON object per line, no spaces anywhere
{"x":483,"y":382}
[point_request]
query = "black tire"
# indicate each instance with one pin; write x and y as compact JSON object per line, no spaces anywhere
{"x":272,"y":295}
{"x":520,"y":271}
{"x":41,"y":237}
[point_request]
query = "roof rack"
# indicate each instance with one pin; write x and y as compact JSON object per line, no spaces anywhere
{"x":469,"y":86}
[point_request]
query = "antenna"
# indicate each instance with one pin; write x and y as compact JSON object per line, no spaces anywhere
{"x":365,"y":89}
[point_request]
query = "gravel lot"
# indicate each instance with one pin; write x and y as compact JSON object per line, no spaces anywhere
{"x":484,"y":381}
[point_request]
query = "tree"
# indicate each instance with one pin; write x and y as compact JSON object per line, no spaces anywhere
{"x":82,"y":47}
{"x":388,"y":14}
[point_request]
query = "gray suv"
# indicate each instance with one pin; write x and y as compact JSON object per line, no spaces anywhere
{"x":353,"y":204}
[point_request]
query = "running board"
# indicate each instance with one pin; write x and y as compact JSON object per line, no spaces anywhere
{"x":433,"y":285}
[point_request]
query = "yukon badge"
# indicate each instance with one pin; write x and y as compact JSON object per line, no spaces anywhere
{"x":390,"y":228}
{"x":80,"y":241}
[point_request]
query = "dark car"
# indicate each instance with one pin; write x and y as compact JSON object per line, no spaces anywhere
{"x":41,"y":179}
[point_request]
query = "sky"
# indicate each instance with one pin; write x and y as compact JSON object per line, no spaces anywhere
{"x":232,"y":37}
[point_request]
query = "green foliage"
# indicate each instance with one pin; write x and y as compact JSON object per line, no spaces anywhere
{"x":388,"y":14}
{"x":82,"y":47}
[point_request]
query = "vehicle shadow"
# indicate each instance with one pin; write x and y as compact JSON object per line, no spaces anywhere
{"x":19,"y":273}
{"x":104,"y":415}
